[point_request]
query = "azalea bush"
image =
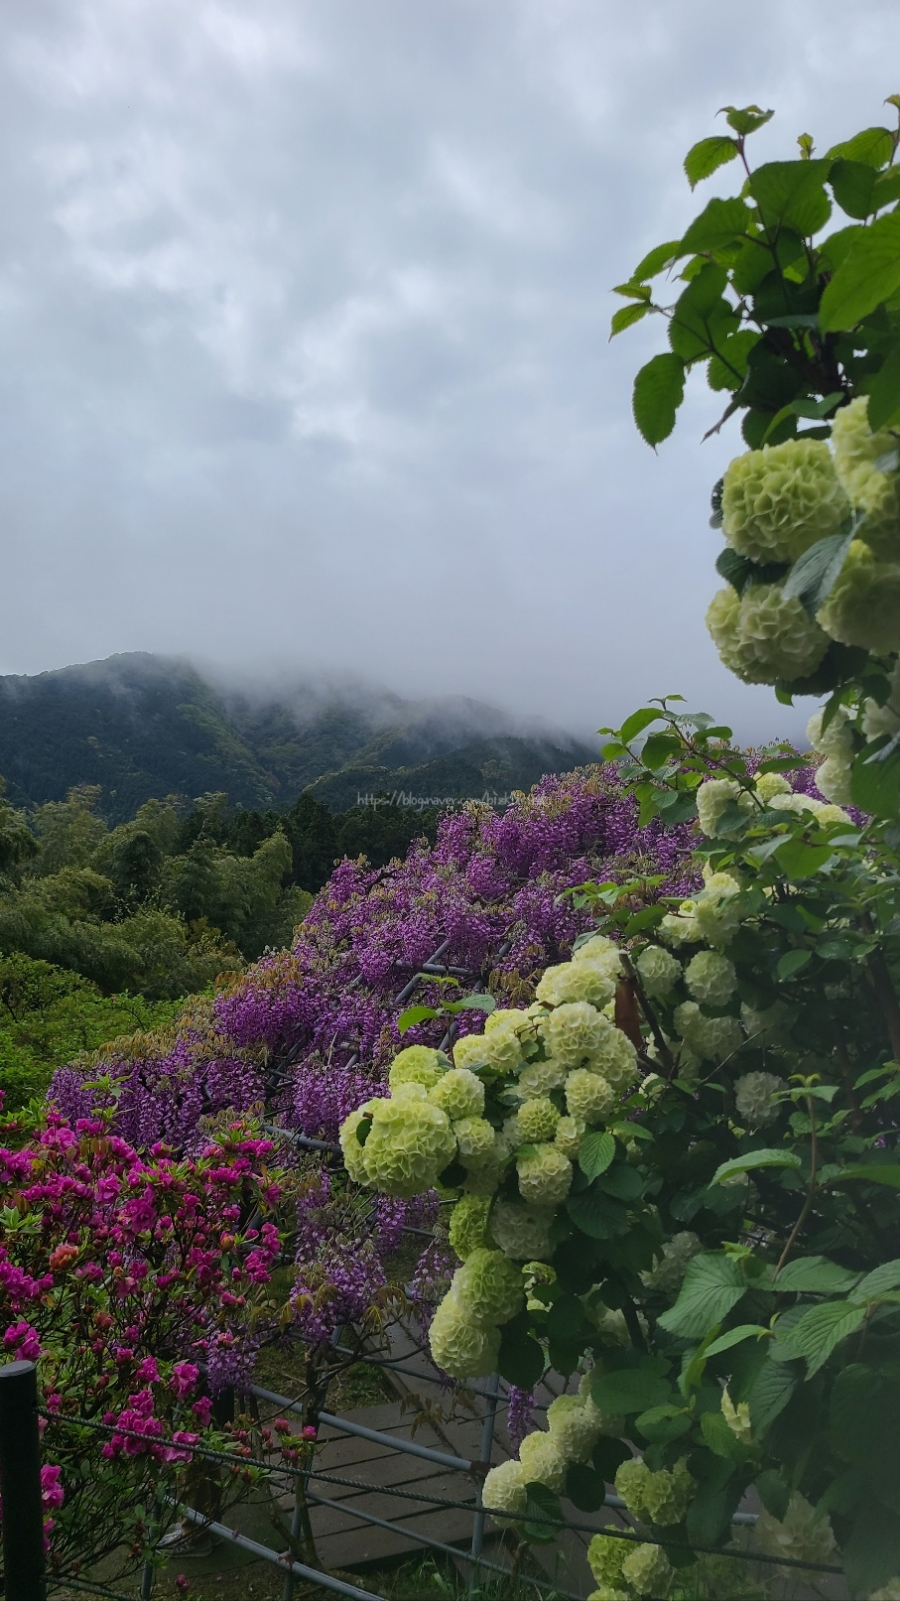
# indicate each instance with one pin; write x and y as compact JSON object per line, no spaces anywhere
{"x":141,"y":1286}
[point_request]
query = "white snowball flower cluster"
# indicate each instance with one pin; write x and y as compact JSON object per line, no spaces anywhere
{"x":878,"y":720}
{"x":711,"y":978}
{"x":778,"y":501}
{"x":567,"y":1066}
{"x":574,"y":1425}
{"x":659,"y":971}
{"x":710,"y":1038}
{"x":667,"y":1274}
{"x":662,"y":1498}
{"x":713,"y":798}
{"x":763,"y":635}
{"x":873,"y":491}
{"x":753,"y":1097}
{"x":802,"y":1536}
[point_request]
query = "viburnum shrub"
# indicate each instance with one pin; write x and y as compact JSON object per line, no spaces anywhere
{"x":675,"y":1174}
{"x":798,"y":325}
{"x":139,"y":1284}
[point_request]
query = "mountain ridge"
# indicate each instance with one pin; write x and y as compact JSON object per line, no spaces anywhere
{"x":141,"y":726}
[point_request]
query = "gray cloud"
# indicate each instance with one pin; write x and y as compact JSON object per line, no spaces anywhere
{"x":303,"y":332}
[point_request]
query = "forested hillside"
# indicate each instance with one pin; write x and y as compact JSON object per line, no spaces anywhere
{"x":143,"y":727}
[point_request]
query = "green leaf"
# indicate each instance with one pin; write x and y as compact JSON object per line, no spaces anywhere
{"x":542,"y":1516}
{"x":744,"y":1331}
{"x":521,"y":1360}
{"x":637,"y":722}
{"x":852,"y":183}
{"x":728,"y":368}
{"x":608,"y":1455}
{"x":663,"y":1423}
{"x":791,"y":194}
{"x":471,"y":1003}
{"x":633,"y":291}
{"x":702,"y":321}
{"x":655,"y":261}
{"x":585,"y":1488}
{"x":414,"y":1015}
{"x":884,"y":392}
{"x":746,"y":119}
{"x":599,"y":1216}
{"x":875,"y":786}
{"x":887,"y":188}
{"x":878,"y":1282}
{"x":868,"y":275}
{"x":872,"y":1552}
{"x":814,"y":1274}
{"x":720,"y":223}
{"x":705,"y":158}
{"x":753,"y":1160}
{"x":626,"y":316}
{"x":658,"y":393}
{"x":874,"y":146}
{"x":720,"y":1438}
{"x":804,"y":407}
{"x":713,"y":1285}
{"x":798,"y":860}
{"x":792,"y":961}
{"x":820,"y":1330}
{"x":629,"y":1390}
{"x":595,"y":1152}
{"x":814,"y":574}
{"x":622,"y":1181}
{"x":773,"y":1492}
{"x":658,"y":748}
{"x":871,"y":1173}
{"x":363,"y":1130}
{"x":709,"y":1514}
{"x":769,"y":1393}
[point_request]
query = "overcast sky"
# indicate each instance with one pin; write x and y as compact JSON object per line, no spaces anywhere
{"x":303,"y":332}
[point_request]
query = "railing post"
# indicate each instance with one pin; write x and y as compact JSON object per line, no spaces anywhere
{"x":20,"y":1484}
{"x":487,"y":1446}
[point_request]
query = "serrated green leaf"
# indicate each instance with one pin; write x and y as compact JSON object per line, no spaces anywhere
{"x":852,"y":183}
{"x":626,"y":316}
{"x":746,"y":119}
{"x":471,"y":1003}
{"x":720,"y":223}
{"x":542,"y":1516}
{"x":874,"y":146}
{"x":596,"y":1152}
{"x":884,"y":394}
{"x":629,"y":1390}
{"x":414,"y":1015}
{"x":633,"y":290}
{"x":655,"y":261}
{"x":585,"y":1488}
{"x":744,"y":1331}
{"x":814,"y":1274}
{"x":752,"y":1160}
{"x":773,"y":1492}
{"x":770,"y":1391}
{"x":521,"y":1360}
{"x":599,"y":1216}
{"x":820,"y":1330}
{"x":720,"y":1438}
{"x":713,"y":1285}
{"x":868,"y":275}
{"x":814,"y":574}
{"x":887,"y":1173}
{"x":705,"y":158}
{"x":793,"y":961}
{"x":791,"y":194}
{"x":878,"y":1282}
{"x":660,"y":1424}
{"x":875,"y":786}
{"x":658,"y":393}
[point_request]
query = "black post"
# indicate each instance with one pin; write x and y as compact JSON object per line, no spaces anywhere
{"x":20,"y":1483}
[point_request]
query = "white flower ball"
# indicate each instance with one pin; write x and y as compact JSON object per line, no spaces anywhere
{"x":460,"y":1346}
{"x":523,"y":1232}
{"x":681,"y":928}
{"x":713,"y":798}
{"x":488,"y":1287}
{"x":574,"y":1426}
{"x":574,"y":1032}
{"x":779,"y":500}
{"x":544,"y":1178}
{"x":503,"y":1047}
{"x":469,"y":1052}
{"x":417,"y":1064}
{"x":667,"y":1274}
{"x":538,"y":1119}
{"x":409,"y":1143}
{"x":877,"y":493}
{"x":476,"y":1142}
{"x":803,"y":1536}
{"x":659,"y":971}
{"x":539,"y":1078}
{"x":753,"y":1094}
{"x":569,"y":1134}
{"x":458,"y":1093}
{"x":542,"y":1461}
{"x":504,"y":1489}
{"x":648,"y":1571}
{"x":589,"y":1096}
{"x":769,"y":784}
{"x":711,"y":978}
{"x":576,"y":981}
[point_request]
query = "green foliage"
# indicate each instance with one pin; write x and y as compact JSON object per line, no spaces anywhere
{"x":782,"y":315}
{"x":49,"y":1016}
